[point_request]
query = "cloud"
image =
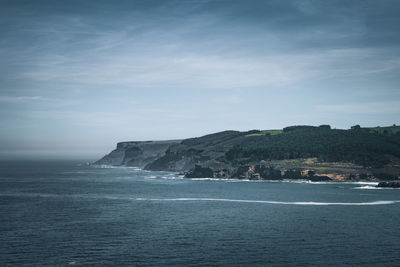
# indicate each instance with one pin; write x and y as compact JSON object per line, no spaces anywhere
{"x":199,"y":70}
{"x":125,"y":70}
{"x":39,"y":101}
{"x":366,"y":108}
{"x":19,"y":99}
{"x":204,"y":49}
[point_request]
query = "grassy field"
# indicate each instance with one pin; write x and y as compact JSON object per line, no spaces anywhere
{"x":381,"y":130}
{"x":264,"y":132}
{"x":334,"y":170}
{"x":388,"y":129}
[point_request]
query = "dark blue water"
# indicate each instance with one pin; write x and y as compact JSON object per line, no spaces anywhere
{"x":64,"y":213}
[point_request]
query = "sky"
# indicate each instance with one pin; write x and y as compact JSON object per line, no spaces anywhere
{"x":76,"y":77}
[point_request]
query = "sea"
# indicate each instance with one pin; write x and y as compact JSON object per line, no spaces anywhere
{"x":69,"y":213}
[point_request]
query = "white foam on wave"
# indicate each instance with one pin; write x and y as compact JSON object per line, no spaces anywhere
{"x":309,"y":203}
{"x":205,"y":179}
{"x":293,"y":181}
{"x":300,"y":181}
{"x":103,"y":167}
{"x":171,"y":177}
{"x":221,"y":179}
{"x":366,"y":183}
{"x":330,"y":182}
{"x":368,"y":187}
{"x":111,"y":197}
{"x":116,"y":167}
{"x":236,"y":180}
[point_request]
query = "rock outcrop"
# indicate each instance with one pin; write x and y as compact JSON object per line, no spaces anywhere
{"x":296,"y":152}
{"x":389,"y":184}
{"x":185,"y":155}
{"x":136,"y":154}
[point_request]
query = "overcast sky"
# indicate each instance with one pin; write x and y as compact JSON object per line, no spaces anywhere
{"x":78,"y":76}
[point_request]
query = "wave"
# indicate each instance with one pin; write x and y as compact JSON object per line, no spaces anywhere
{"x":300,"y":181}
{"x":330,"y":182}
{"x":253,"y":181}
{"x":309,"y":203}
{"x":366,"y":183}
{"x":368,"y":187}
{"x":115,"y":167}
{"x":236,"y":180}
{"x":224,"y":179}
{"x":172,"y":177}
{"x":111,"y":197}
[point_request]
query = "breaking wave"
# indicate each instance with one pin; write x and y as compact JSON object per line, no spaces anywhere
{"x":368,"y":187}
{"x":309,"y":203}
{"x":103,"y":166}
{"x":300,"y":181}
{"x":223,"y":180}
{"x":111,"y":197}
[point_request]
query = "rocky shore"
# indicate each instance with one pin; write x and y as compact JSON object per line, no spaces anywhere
{"x":296,"y":152}
{"x":389,"y":184}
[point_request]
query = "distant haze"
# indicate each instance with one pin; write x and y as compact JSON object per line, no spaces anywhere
{"x":76,"y":77}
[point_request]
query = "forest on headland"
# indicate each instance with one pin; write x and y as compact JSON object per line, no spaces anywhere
{"x":296,"y":152}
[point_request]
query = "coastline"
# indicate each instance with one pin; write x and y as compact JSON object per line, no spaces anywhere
{"x":368,"y":183}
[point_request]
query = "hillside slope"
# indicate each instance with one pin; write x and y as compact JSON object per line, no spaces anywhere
{"x":294,"y":152}
{"x":136,"y":153}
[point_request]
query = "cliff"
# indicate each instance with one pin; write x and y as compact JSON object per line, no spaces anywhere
{"x":295,"y":152}
{"x":136,"y":153}
{"x":185,"y":155}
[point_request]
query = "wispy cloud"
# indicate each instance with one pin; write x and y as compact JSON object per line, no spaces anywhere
{"x":209,"y":71}
{"x":19,"y":99}
{"x":164,"y":50}
{"x":366,"y":108}
{"x":44,"y":102}
{"x":125,"y":70}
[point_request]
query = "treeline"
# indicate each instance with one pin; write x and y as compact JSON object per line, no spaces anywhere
{"x":254,"y":172}
{"x":357,"y":145}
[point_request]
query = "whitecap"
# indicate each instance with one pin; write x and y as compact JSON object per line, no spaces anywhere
{"x":368,"y":187}
{"x":229,"y":180}
{"x":210,"y":179}
{"x":111,"y":197}
{"x":309,"y":203}
{"x":296,"y":181}
{"x":171,"y":177}
{"x":104,"y":166}
{"x":366,"y":183}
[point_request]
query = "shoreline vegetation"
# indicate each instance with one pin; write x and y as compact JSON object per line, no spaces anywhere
{"x":313,"y":153}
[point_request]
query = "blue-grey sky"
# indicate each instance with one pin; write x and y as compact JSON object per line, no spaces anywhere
{"x":78,"y":76}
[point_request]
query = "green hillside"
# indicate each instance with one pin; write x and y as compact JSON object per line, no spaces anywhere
{"x":361,"y":146}
{"x":296,"y":152}
{"x":384,"y":130}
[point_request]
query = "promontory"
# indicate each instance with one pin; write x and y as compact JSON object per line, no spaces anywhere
{"x":316,"y":153}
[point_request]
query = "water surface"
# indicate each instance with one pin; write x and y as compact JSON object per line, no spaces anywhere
{"x":68,"y":213}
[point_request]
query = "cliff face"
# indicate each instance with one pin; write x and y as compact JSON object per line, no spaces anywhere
{"x":192,"y":151}
{"x":175,"y":155}
{"x":295,"y":152}
{"x":136,"y":154}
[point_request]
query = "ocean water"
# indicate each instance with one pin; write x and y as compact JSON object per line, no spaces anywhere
{"x":68,"y":213}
